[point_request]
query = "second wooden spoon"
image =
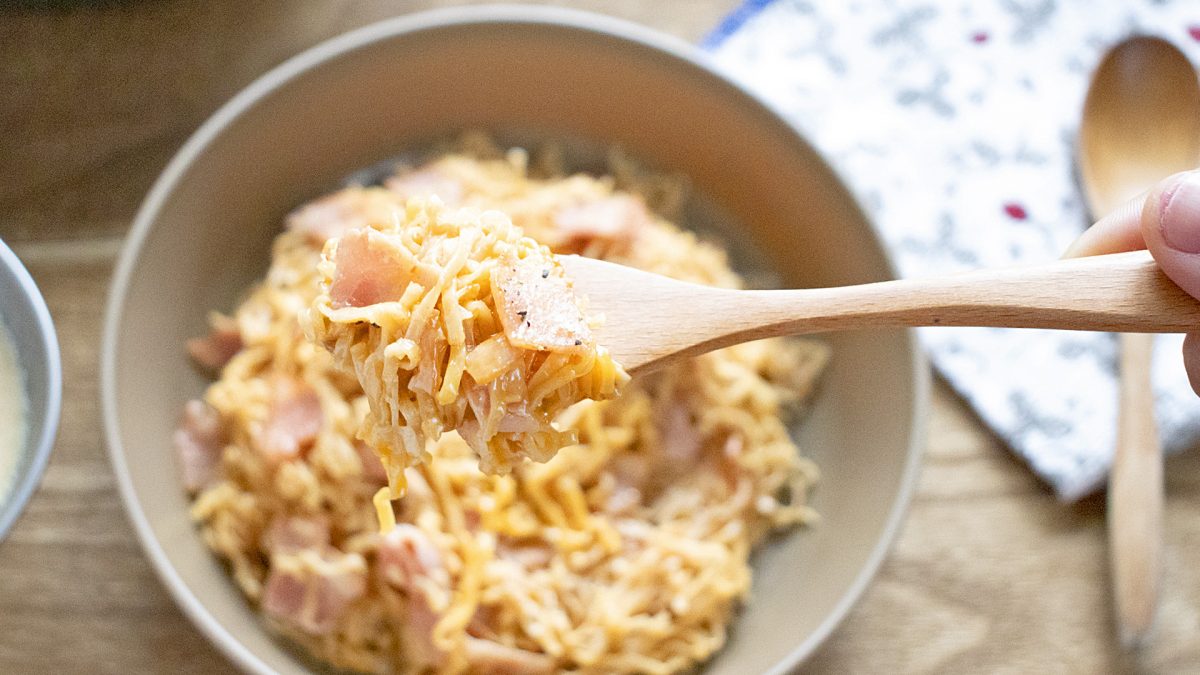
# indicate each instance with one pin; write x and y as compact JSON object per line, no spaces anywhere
{"x":1141,"y":123}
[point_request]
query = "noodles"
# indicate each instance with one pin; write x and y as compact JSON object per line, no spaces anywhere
{"x":627,"y":552}
{"x":455,"y":320}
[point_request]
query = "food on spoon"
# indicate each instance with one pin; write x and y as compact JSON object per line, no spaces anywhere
{"x":454,"y":320}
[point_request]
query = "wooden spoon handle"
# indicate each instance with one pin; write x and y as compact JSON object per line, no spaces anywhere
{"x":1135,"y":495}
{"x":652,"y":320}
{"x":1121,"y":292}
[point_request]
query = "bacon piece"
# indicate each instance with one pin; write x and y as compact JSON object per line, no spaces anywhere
{"x":517,"y":421}
{"x":408,"y":560}
{"x":682,"y":446}
{"x":347,"y":209}
{"x":198,"y":442}
{"x":311,"y":590}
{"x":616,"y":219}
{"x":537,"y":306}
{"x":406,"y":554}
{"x":427,"y":182}
{"x":681,"y":439}
{"x":486,"y":656}
{"x":369,"y":268}
{"x":418,"y":632}
{"x":214,"y":350}
{"x":425,"y":379}
{"x":479,"y":399}
{"x":639,"y":480}
{"x":293,"y":421}
{"x":284,"y":595}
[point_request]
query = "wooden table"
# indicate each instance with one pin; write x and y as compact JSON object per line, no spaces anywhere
{"x":990,"y":574}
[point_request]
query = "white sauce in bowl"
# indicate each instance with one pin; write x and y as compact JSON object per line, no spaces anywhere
{"x":13,"y":412}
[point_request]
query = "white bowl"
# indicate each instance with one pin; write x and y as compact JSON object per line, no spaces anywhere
{"x":28,"y":321}
{"x":204,"y":231}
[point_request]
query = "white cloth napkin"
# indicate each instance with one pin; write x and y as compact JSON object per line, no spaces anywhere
{"x":954,"y":123}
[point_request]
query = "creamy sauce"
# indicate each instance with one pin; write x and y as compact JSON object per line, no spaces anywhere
{"x":13,"y":407}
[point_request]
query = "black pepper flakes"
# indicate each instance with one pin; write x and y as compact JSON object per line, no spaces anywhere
{"x":522,"y":313}
{"x":578,"y":342}
{"x":545,"y":274}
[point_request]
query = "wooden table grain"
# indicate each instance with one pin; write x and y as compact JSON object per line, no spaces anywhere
{"x":991,"y":573}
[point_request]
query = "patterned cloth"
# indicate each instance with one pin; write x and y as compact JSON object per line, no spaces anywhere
{"x":954,"y":123}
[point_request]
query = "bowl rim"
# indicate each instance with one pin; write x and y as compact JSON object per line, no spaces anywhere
{"x":392,"y":28}
{"x":21,"y":491}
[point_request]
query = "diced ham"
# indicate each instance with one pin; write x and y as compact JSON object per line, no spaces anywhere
{"x":198,"y":442}
{"x":293,"y":534}
{"x":372,"y":467}
{"x":471,"y":431}
{"x":615,"y":219}
{"x":517,"y":421}
{"x":407,"y":554}
{"x":681,"y":440}
{"x":338,"y":588}
{"x":428,"y":367}
{"x":311,"y":590}
{"x":214,"y":350}
{"x":284,"y":595}
{"x":293,"y":420}
{"x":427,"y":182}
{"x":370,"y":269}
{"x":486,"y":656}
{"x":682,"y":445}
{"x":408,"y":560}
{"x":348,"y":209}
{"x":417,"y":632}
{"x":537,"y":305}
{"x":480,"y":401}
{"x":640,"y":480}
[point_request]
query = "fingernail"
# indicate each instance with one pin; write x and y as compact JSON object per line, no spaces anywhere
{"x":1179,"y":213}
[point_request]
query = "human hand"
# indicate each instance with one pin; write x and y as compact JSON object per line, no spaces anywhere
{"x":1166,"y":220}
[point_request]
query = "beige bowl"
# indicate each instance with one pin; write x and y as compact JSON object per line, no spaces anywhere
{"x":204,"y":232}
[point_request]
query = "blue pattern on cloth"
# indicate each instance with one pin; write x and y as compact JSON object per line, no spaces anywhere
{"x":954,"y":124}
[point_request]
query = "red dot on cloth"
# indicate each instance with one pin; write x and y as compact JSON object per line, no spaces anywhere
{"x":1194,"y":31}
{"x":1015,"y":211}
{"x":979,"y":37}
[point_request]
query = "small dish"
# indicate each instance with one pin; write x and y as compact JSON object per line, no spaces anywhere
{"x":28,"y":322}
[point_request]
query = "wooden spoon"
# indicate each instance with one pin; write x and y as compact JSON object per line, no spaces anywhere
{"x":1141,"y":123}
{"x":651,"y":320}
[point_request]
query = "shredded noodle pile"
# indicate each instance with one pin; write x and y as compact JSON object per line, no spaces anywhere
{"x":627,"y":552}
{"x":455,"y":320}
